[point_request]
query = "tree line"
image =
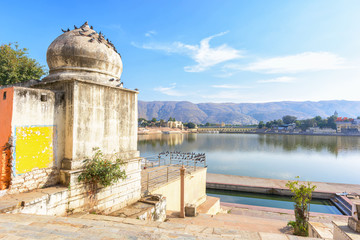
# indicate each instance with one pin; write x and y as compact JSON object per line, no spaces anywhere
{"x":318,"y":121}
{"x":142,"y":122}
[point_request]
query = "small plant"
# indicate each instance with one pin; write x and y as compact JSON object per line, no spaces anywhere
{"x":302,"y":197}
{"x":101,"y":171}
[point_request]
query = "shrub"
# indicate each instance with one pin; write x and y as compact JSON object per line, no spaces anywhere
{"x":302,"y":197}
{"x":98,"y":170}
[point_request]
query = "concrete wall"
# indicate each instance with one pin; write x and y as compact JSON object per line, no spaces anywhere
{"x":195,"y":190}
{"x":58,"y":128}
{"x":105,"y":117}
{"x":108,"y":199}
{"x":97,"y":116}
{"x":6,"y":111}
{"x":37,"y":134}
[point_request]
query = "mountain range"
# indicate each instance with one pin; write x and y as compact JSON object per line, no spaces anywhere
{"x":245,"y":113}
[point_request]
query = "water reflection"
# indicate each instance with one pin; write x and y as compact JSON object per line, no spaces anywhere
{"x":253,"y":142}
{"x":315,"y":158}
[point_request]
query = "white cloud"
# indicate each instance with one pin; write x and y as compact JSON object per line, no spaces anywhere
{"x":150,"y":33}
{"x":203,"y":54}
{"x":303,"y":62}
{"x":229,"y":86}
{"x":170,"y":91}
{"x":278,"y":80}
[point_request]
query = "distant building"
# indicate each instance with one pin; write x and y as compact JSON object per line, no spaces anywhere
{"x":317,"y":130}
{"x":175,"y":124}
{"x":290,"y":126}
{"x":347,"y":125}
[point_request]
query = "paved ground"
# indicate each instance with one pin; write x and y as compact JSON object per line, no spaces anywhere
{"x":275,"y":183}
{"x":22,"y":226}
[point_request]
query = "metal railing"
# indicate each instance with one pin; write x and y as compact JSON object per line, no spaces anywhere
{"x":177,"y":158}
{"x":171,"y":163}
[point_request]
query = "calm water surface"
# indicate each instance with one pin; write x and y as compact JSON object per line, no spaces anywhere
{"x":313,"y":158}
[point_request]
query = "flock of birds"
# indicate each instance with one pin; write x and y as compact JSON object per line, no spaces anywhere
{"x":100,"y":38}
{"x":199,"y":157}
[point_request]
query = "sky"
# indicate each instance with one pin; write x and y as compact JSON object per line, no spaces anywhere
{"x":210,"y":51}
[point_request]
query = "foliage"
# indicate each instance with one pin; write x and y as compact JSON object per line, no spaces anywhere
{"x":302,"y":197}
{"x":288,"y":119}
{"x":102,"y":171}
{"x":261,"y":124}
{"x":190,"y":125}
{"x":317,"y":121}
{"x":171,"y":119}
{"x":16,"y":66}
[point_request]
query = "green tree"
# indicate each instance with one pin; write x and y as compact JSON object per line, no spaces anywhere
{"x":261,"y":124}
{"x":16,"y":66}
{"x":331,"y":122}
{"x":191,"y":125}
{"x":302,"y":198}
{"x":171,"y":119}
{"x":288,"y":119}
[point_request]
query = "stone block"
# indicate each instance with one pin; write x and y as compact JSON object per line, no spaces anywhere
{"x":354,"y":224}
{"x":17,"y":180}
{"x":190,"y":210}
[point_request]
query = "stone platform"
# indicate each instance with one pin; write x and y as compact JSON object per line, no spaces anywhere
{"x":253,"y":182}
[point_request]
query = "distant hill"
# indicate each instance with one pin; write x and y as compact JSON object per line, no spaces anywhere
{"x":245,"y":113}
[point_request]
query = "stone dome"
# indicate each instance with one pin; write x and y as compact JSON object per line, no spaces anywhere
{"x":83,"y":54}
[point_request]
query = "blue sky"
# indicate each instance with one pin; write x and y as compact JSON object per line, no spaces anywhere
{"x":211,"y":51}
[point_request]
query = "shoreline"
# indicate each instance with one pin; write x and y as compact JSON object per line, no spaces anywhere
{"x":165,"y":130}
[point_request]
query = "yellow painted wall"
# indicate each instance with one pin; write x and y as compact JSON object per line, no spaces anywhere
{"x":33,"y":148}
{"x":195,"y":190}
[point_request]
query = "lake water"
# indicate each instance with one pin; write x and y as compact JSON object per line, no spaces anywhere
{"x":313,"y":158}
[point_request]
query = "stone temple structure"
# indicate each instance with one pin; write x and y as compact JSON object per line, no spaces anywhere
{"x":48,"y":128}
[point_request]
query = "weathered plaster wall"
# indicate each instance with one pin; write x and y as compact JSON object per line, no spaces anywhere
{"x":6,"y":109}
{"x":104,"y":117}
{"x":195,"y":190}
{"x":97,"y":116}
{"x":37,"y":126}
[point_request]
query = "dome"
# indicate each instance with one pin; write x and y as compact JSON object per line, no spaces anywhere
{"x":83,"y":54}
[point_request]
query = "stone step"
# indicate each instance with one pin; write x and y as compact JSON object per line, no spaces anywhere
{"x":210,"y":206}
{"x":321,"y":230}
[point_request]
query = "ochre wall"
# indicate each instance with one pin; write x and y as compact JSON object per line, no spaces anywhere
{"x":96,"y":116}
{"x":6,"y":109}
